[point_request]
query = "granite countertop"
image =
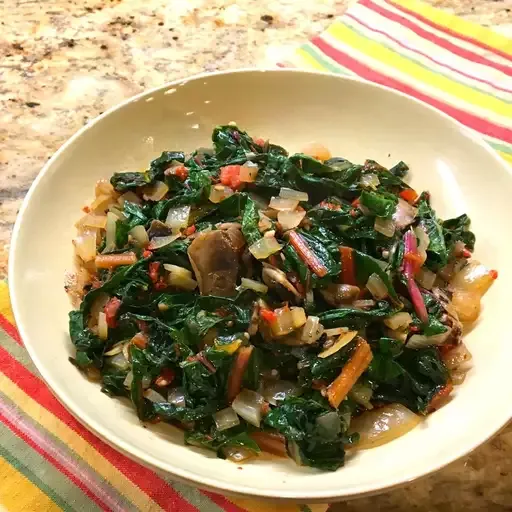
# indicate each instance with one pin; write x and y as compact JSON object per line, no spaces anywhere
{"x":65,"y":61}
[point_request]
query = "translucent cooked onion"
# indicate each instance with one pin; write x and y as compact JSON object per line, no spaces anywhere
{"x":423,"y":242}
{"x":265,"y":247}
{"x":370,"y":180}
{"x":130,"y":197}
{"x":425,"y":278}
{"x":103,"y":187}
{"x":290,"y":219}
{"x":380,"y":426}
{"x":248,"y":172}
{"x":402,"y":319}
{"x":458,"y":357}
{"x":317,"y":150}
{"x":363,"y":303}
{"x":282,"y":204}
{"x":102,"y":326}
{"x":275,"y":391}
{"x":176,"y":397}
{"x":140,"y":235}
{"x":377,"y":287}
{"x":119,"y":361}
{"x":296,"y":195}
{"x":129,"y":379}
{"x":220,"y":192}
{"x":92,"y":220}
{"x":101,"y":203}
{"x":158,"y":242}
{"x":419,"y":341}
{"x":474,"y":277}
{"x":404,"y":214}
{"x":154,"y":396}
{"x":250,"y":284}
{"x":247,"y":405}
{"x":226,"y":418}
{"x":156,"y":192}
{"x":385,"y":227}
{"x":265,"y":223}
{"x":117,"y":212}
{"x":177,"y":218}
{"x":336,"y":331}
{"x":298,"y":316}
{"x":116,"y":349}
{"x":237,"y":454}
{"x":312,"y":330}
{"x":467,"y":304}
{"x":85,"y":245}
{"x":110,"y":236}
{"x":361,"y":394}
{"x":180,"y":277}
{"x":344,"y":339}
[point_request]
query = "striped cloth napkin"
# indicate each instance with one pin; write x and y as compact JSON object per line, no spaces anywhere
{"x":48,"y":461}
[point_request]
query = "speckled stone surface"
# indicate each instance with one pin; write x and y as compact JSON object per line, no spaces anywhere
{"x":62,"y":62}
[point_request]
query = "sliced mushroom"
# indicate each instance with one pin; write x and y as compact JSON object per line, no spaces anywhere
{"x":214,"y":256}
{"x":158,"y":228}
{"x":340,"y":294}
{"x":275,"y":278}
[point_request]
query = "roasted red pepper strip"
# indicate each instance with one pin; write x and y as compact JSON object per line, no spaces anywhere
{"x":410,"y":195}
{"x":237,"y":372}
{"x":348,"y":270}
{"x":306,"y":254}
{"x":268,"y":315}
{"x":154,"y":269}
{"x":111,"y":308}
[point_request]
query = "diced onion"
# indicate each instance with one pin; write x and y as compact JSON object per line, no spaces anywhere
{"x":361,"y":394}
{"x":130,"y":197}
{"x":402,"y":319}
{"x":290,"y":219}
{"x":119,"y":361}
{"x":377,"y":287}
{"x":226,"y":418}
{"x":282,"y":204}
{"x":110,"y":237}
{"x":423,"y":242}
{"x":177,"y":218}
{"x":384,"y":226}
{"x":312,"y":330}
{"x":250,"y":284}
{"x":179,"y":270}
{"x":102,"y":326}
{"x":264,"y":223}
{"x":92,"y":221}
{"x":156,"y":192}
{"x":420,"y":341}
{"x":275,"y":391}
{"x":180,"y":277}
{"x":265,"y":247}
{"x":85,"y":245}
{"x":336,"y":331}
{"x":466,"y":304}
{"x":153,"y":396}
{"x":140,"y":235}
{"x":158,"y":242}
{"x":176,"y":397}
{"x":118,"y":213}
{"x":298,"y":317}
{"x":220,"y":192}
{"x":317,"y":150}
{"x":474,"y":277}
{"x":425,"y":278}
{"x":382,"y":425}
{"x":330,"y":425}
{"x":248,"y":172}
{"x":103,"y":187}
{"x":457,"y":357}
{"x":296,"y":195}
{"x":129,"y":379}
{"x":344,"y":339}
{"x":247,"y":404}
{"x":116,"y":349}
{"x":101,"y":203}
{"x":404,"y":214}
{"x":370,"y":181}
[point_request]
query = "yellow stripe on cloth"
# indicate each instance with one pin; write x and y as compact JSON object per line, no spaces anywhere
{"x":265,"y":506}
{"x":421,"y":74}
{"x":463,"y":27}
{"x":5,"y":303}
{"x":18,"y":493}
{"x":80,"y":446}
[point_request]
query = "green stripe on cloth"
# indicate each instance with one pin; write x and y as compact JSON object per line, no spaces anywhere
{"x":18,"y":352}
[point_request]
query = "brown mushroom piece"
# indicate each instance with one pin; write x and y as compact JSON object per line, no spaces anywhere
{"x":340,"y":294}
{"x":276,"y":279}
{"x":214,"y":256}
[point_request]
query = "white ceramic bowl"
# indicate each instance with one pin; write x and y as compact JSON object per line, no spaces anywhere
{"x":354,"y":119}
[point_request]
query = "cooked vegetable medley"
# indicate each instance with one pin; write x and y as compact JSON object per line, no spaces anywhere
{"x":298,"y":305}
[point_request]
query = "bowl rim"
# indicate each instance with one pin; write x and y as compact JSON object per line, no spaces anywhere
{"x":208,"y":482}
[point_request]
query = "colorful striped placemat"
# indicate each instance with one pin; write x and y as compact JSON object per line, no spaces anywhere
{"x":48,"y":460}
{"x":461,"y":68}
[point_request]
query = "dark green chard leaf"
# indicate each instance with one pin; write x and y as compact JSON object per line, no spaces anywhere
{"x":437,"y":254}
{"x":141,"y":368}
{"x":379,"y":204}
{"x":113,"y":382}
{"x":215,"y":440}
{"x":250,"y":221}
{"x":355,"y":318}
{"x":458,"y":229}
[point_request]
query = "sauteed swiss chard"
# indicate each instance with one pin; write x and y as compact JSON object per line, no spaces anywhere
{"x":299,"y":304}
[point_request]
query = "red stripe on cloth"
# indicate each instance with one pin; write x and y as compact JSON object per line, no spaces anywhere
{"x":148,"y":481}
{"x":54,"y":462}
{"x":450,"y":32}
{"x":10,"y":330}
{"x":223,"y":502}
{"x":425,"y":55}
{"x":470,"y":120}
{"x":443,"y":43}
